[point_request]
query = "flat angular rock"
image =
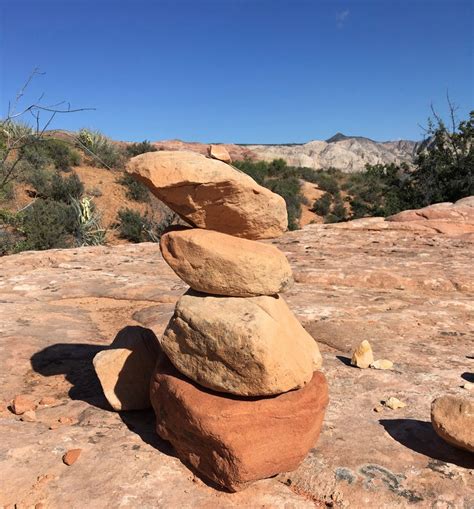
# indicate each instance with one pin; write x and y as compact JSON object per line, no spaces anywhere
{"x":210,"y":194}
{"x":221,"y":264}
{"x":234,"y":441}
{"x":219,"y":152}
{"x":453,"y":420}
{"x":251,"y":346}
{"x":125,"y":369}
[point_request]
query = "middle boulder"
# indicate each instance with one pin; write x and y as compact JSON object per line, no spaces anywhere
{"x":221,"y":264}
{"x":251,"y":346}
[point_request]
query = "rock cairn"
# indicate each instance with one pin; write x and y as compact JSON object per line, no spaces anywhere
{"x":239,"y":394}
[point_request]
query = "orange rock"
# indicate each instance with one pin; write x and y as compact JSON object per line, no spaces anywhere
{"x":234,"y":441}
{"x":219,"y":152}
{"x":22,"y":403}
{"x":453,"y":420}
{"x":71,"y":456}
{"x":211,"y":194}
{"x":221,"y":264}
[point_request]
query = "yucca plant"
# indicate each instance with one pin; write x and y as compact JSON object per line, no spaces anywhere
{"x":90,"y":231}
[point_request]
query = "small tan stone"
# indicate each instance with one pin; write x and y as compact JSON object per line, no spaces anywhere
{"x":382,"y":364}
{"x":378,"y":408}
{"x":22,"y":403}
{"x":28,"y":416}
{"x":453,"y":420}
{"x":394,"y":403}
{"x":363,"y":356}
{"x":469,"y":386}
{"x":251,"y":346}
{"x":49,"y":401}
{"x":220,"y":264}
{"x":219,"y":152}
{"x":71,"y":456}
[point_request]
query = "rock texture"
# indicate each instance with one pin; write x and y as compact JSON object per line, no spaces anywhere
{"x":219,"y":152}
{"x":246,"y":346}
{"x":211,"y":194}
{"x":228,"y":439}
{"x":221,"y":264}
{"x":453,"y":419}
{"x":125,"y":369}
{"x":408,"y":289}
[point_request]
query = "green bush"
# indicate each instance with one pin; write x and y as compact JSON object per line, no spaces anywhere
{"x":44,"y":152}
{"x":98,"y":146}
{"x":137,"y":228}
{"x":65,"y":189}
{"x":48,"y":224}
{"x":136,"y":190}
{"x":132,"y":225}
{"x":322,"y":205}
{"x":135,"y":149}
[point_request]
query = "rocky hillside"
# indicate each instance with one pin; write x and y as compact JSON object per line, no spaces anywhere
{"x":402,"y":285}
{"x":346,"y":153}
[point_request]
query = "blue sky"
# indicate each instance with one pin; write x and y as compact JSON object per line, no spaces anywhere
{"x":244,"y":71}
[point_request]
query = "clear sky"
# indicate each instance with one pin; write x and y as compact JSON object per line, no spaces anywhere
{"x":244,"y":71}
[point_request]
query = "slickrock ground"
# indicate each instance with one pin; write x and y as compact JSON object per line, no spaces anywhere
{"x":408,"y":289}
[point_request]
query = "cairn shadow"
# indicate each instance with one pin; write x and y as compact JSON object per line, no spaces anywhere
{"x":469,"y":377}
{"x":75,"y":362}
{"x":419,"y":436}
{"x":344,"y":360}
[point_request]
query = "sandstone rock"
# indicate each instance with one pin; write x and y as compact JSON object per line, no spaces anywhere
{"x":453,"y":420}
{"x":246,"y":346}
{"x":22,"y":403}
{"x":382,"y":364}
{"x":211,"y":194}
{"x":469,"y":386}
{"x":28,"y":416}
{"x":49,"y":401}
{"x":394,"y":403}
{"x":221,"y":264}
{"x":71,"y":456}
{"x":233,"y":441}
{"x":219,"y":152}
{"x":363,"y":356}
{"x":125,"y":369}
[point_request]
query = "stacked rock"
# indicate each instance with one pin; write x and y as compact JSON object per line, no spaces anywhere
{"x":238,"y":395}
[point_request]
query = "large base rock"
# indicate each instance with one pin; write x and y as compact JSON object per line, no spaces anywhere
{"x":251,"y":346}
{"x":211,"y":194}
{"x":453,"y":420}
{"x":220,"y":264}
{"x":125,"y":369}
{"x":233,"y":441}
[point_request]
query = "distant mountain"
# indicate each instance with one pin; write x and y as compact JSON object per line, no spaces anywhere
{"x":346,"y":153}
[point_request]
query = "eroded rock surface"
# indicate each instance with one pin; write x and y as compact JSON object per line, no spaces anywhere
{"x":408,"y":290}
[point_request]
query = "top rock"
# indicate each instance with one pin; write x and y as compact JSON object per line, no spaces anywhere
{"x":219,"y":152}
{"x":211,"y":194}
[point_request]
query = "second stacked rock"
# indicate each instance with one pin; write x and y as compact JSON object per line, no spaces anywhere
{"x":241,"y":399}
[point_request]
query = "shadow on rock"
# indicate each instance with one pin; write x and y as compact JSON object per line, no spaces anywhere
{"x":345,"y":360}
{"x":469,"y":377}
{"x":419,"y":436}
{"x":74,"y":361}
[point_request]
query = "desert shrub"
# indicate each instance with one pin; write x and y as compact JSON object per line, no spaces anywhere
{"x":135,"y":227}
{"x":43,"y":152}
{"x":322,"y":205}
{"x":135,"y":149}
{"x":65,"y":189}
{"x":290,"y":189}
{"x":132,"y":225}
{"x":95,"y":144}
{"x":48,"y":224}
{"x":136,"y":190}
